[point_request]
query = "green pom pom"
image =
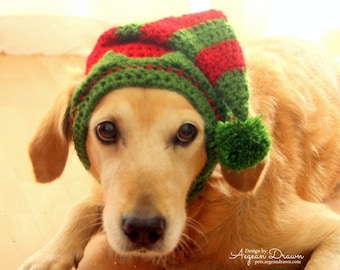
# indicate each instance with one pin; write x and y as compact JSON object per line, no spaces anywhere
{"x":241,"y":144}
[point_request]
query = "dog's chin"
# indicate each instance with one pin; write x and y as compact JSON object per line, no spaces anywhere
{"x":152,"y":251}
{"x":127,"y":248}
{"x":160,"y":248}
{"x":144,"y":252}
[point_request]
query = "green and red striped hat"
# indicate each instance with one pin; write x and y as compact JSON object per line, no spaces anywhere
{"x":195,"y":55}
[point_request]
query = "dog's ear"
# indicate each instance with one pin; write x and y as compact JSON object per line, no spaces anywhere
{"x":245,"y":180}
{"x":49,"y":147}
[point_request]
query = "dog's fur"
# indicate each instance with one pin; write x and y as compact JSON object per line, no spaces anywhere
{"x":146,"y":175}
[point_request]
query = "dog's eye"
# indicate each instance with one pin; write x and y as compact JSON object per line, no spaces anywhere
{"x":107,"y":132}
{"x":186,"y":134}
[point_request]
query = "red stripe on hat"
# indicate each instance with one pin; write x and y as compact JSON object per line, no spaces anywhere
{"x":220,"y":57}
{"x":131,"y":49}
{"x":160,"y":31}
{"x":111,"y":41}
{"x":105,"y":40}
{"x":138,"y":49}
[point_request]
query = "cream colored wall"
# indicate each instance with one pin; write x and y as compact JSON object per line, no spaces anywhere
{"x":317,"y":21}
{"x":106,"y":10}
{"x":72,"y":26}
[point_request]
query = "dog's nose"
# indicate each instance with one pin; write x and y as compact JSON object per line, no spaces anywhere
{"x":144,"y":231}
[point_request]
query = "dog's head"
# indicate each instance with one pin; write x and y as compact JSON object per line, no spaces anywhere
{"x":149,"y":124}
{"x":146,"y":146}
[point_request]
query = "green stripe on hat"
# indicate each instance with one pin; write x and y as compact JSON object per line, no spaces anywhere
{"x":128,"y":32}
{"x":235,"y":92}
{"x":191,"y":40}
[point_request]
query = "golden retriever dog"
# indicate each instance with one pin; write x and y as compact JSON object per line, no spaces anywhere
{"x":272,"y":216}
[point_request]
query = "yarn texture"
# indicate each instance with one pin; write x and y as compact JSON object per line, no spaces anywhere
{"x":195,"y":55}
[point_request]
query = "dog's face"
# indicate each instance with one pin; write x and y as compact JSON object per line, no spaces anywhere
{"x":146,"y":146}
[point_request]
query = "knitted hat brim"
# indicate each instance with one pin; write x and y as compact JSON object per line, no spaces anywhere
{"x":171,"y":72}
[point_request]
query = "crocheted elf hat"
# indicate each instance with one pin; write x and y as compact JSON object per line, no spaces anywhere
{"x":195,"y":55}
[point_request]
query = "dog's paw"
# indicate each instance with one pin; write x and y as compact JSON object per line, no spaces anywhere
{"x":50,"y":261}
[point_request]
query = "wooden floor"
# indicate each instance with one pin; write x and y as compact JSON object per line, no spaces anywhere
{"x":30,"y":213}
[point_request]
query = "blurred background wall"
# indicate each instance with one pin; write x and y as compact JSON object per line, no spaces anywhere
{"x":72,"y":26}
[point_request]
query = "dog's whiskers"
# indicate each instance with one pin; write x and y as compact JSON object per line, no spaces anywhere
{"x":196,"y":226}
{"x":158,"y":260}
{"x":96,"y":226}
{"x":186,"y":242}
